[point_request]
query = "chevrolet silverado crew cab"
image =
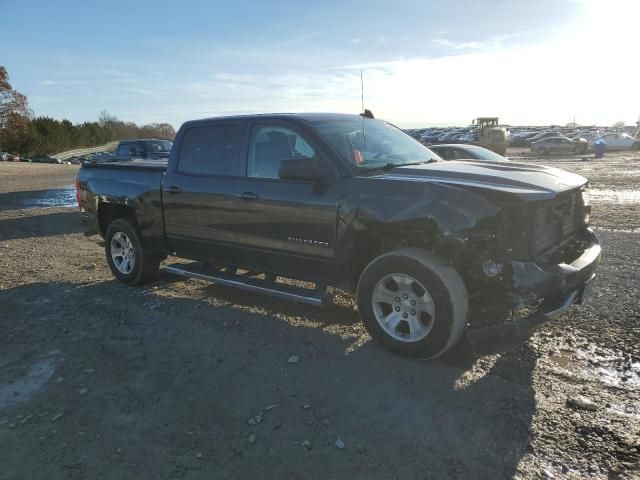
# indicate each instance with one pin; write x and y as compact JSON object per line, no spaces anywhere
{"x":350,"y":202}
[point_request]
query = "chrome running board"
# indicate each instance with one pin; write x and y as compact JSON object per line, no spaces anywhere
{"x":317,"y":297}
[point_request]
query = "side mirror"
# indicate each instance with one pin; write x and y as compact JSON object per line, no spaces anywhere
{"x":309,"y":169}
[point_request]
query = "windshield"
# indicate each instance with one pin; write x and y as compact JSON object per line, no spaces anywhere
{"x":379,"y":144}
{"x":160,"y":146}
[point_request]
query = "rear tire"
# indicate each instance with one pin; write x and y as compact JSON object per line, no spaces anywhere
{"x":541,"y":151}
{"x":387,"y":311}
{"x":636,"y":146}
{"x":129,"y":261}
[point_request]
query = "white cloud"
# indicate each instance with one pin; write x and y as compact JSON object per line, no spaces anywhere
{"x":381,"y":39}
{"x":302,"y":38}
{"x":493,"y":42}
{"x":464,"y":45}
{"x":355,"y":41}
{"x":443,"y":41}
{"x":459,"y":46}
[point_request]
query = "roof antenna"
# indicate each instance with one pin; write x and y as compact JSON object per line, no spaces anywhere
{"x":362,"y":90}
{"x":364,"y":114}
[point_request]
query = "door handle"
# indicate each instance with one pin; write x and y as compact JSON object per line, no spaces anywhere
{"x":174,"y":190}
{"x":248,"y":196}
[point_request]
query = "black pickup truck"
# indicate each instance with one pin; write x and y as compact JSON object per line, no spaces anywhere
{"x":147,"y":148}
{"x":350,"y":202}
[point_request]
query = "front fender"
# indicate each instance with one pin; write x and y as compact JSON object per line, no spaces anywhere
{"x":434,"y":216}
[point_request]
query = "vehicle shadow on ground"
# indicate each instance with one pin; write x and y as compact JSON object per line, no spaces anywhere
{"x":174,"y":381}
{"x":59,"y":197}
{"x":49,"y":224}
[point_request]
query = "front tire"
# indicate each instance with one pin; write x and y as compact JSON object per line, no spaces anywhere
{"x":129,"y":261}
{"x":541,"y":151}
{"x":413,"y":303}
{"x":636,"y":146}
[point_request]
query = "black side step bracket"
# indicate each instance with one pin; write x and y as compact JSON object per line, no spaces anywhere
{"x":245,"y":281}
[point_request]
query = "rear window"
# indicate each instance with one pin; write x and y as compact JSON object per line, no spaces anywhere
{"x":123,"y":149}
{"x":210,"y":150}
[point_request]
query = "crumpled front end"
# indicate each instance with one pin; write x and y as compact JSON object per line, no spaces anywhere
{"x":550,"y":265}
{"x":548,"y":287}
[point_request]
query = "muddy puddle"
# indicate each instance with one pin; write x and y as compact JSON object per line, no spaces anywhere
{"x":60,"y":197}
{"x":605,"y":195}
{"x":608,"y":370}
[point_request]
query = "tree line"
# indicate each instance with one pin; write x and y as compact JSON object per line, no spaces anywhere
{"x":23,"y":134}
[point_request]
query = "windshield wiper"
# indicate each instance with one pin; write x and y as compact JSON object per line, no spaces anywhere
{"x":388,"y":166}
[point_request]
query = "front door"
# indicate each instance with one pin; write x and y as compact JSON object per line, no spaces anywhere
{"x":565,"y":145}
{"x":287,"y":226}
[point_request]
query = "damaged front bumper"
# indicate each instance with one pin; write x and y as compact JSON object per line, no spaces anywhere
{"x":556,"y":286}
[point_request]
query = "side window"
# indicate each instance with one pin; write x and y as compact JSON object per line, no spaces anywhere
{"x":136,"y":148}
{"x":446,"y":153}
{"x":123,"y":149}
{"x":210,"y":150}
{"x":270,"y":145}
{"x":459,"y":154}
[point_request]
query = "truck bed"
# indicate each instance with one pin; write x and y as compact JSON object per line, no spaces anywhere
{"x":142,"y":164}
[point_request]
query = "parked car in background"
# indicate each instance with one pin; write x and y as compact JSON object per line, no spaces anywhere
{"x":543,"y":135}
{"x":45,"y":159}
{"x":579,"y":135}
{"x":617,"y":141}
{"x":559,"y":145}
{"x":466,"y":152}
{"x":150,"y":149}
{"x":16,"y":158}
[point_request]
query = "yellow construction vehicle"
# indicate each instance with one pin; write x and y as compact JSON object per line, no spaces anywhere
{"x":491,"y":135}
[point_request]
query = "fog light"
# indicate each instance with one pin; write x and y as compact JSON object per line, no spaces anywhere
{"x":491,"y":268}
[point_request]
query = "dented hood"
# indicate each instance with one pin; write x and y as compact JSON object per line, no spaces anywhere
{"x":528,"y":181}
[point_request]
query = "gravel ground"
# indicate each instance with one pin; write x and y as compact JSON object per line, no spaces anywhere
{"x":183,"y":379}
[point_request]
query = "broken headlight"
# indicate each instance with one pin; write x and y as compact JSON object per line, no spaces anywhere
{"x":491,"y":268}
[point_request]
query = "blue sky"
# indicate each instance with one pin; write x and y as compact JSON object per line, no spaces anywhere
{"x":425,"y":62}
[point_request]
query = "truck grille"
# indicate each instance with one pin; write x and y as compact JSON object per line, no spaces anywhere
{"x":555,"y":222}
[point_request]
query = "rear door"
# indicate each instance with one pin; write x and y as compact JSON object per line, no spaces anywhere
{"x":287,"y":226}
{"x":199,"y":194}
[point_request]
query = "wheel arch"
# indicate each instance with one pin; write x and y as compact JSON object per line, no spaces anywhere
{"x":370,"y":244}
{"x":107,"y":212}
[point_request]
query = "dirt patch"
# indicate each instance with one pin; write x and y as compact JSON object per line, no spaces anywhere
{"x":168,"y":381}
{"x":20,"y":177}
